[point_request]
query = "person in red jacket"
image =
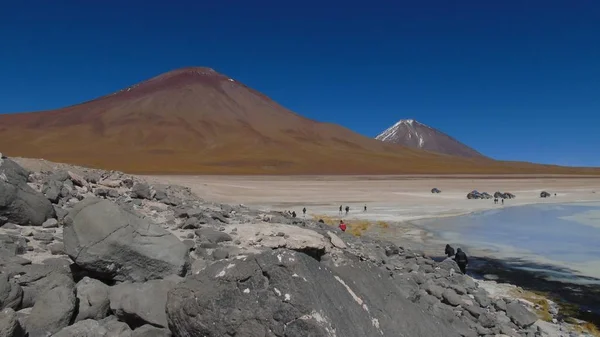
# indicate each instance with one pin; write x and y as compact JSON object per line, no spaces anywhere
{"x":342,"y":226}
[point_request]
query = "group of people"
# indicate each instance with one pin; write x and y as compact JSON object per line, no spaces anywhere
{"x":293,"y":213}
{"x":496,"y":201}
{"x":460,"y":258}
{"x":347,"y":209}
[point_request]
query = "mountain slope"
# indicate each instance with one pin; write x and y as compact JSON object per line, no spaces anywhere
{"x":195,"y":120}
{"x":411,"y":133}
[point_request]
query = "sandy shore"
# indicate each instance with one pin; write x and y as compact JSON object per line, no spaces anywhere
{"x":387,"y":198}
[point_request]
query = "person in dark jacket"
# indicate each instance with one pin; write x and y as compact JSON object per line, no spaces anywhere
{"x":340,"y":209}
{"x":304,"y":211}
{"x":449,"y":251}
{"x":461,"y":260}
{"x":347,"y":209}
{"x":293,"y":214}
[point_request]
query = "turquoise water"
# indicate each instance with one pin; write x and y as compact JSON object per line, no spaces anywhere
{"x":565,"y":233}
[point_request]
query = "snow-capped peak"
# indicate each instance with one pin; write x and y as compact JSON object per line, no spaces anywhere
{"x":411,"y":133}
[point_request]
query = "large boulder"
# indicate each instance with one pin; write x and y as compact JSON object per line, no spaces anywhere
{"x":142,"y":302}
{"x":9,"y":324}
{"x":36,"y":280}
{"x":19,"y":203}
{"x":520,"y":315}
{"x":93,"y":302}
{"x":11,"y":293}
{"x":288,"y":293}
{"x":141,"y":191}
{"x":52,"y":312}
{"x":115,"y":244}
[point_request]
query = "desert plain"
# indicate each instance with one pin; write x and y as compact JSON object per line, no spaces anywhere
{"x":388,"y":198}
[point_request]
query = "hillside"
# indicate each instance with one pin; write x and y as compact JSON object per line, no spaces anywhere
{"x":197,"y":121}
{"x":413,"y":134}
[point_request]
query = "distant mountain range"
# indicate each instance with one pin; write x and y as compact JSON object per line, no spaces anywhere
{"x":198,"y":121}
{"x":413,"y":134}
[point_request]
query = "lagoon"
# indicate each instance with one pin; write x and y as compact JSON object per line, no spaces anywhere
{"x":564,"y":236}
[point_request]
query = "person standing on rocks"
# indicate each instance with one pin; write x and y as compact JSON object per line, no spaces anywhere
{"x":342,"y":226}
{"x":347,"y":209}
{"x":449,"y":250}
{"x":304,"y":211}
{"x":461,"y":260}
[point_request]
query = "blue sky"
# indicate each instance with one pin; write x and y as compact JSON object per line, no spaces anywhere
{"x":514,"y":79}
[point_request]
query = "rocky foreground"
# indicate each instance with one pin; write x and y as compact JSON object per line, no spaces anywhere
{"x":93,"y":253}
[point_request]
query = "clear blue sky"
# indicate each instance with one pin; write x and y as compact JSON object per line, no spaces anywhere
{"x":514,"y":79}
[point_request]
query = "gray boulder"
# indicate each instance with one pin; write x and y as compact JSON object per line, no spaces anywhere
{"x":520,"y":315}
{"x":212,"y":236}
{"x":141,"y":191}
{"x":451,"y":297}
{"x":93,"y":302}
{"x":51,"y":189}
{"x":52,"y":312}
{"x":87,"y":328}
{"x":19,"y":203}
{"x":9,"y":324}
{"x":36,"y":280}
{"x":112,"y":243}
{"x":57,"y":248}
{"x":50,"y":223}
{"x":11,"y":294}
{"x":115,"y":327}
{"x":142,"y":302}
{"x":287,"y":293}
{"x":151,"y":331}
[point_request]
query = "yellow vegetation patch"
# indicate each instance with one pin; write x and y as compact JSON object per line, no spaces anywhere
{"x":536,"y":298}
{"x":543,"y":312}
{"x":383,"y":224}
{"x":355,"y":227}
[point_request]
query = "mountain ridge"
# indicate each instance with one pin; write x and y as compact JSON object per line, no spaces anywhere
{"x":195,"y":120}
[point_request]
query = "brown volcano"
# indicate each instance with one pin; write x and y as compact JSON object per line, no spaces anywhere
{"x":195,"y":120}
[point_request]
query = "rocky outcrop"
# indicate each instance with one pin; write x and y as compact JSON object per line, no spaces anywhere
{"x":114,"y":244}
{"x":545,"y":194}
{"x":19,"y":203}
{"x":291,"y":294}
{"x":435,"y":190}
{"x":255,"y":273}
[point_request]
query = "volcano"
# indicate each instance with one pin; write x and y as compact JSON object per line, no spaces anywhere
{"x":198,"y":121}
{"x":411,"y":133}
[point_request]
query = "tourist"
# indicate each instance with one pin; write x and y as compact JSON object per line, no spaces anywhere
{"x":340,"y":209}
{"x":347,"y":209}
{"x":449,"y":250}
{"x":461,"y":260}
{"x":304,"y":211}
{"x":365,"y":208}
{"x":342,"y":226}
{"x":502,"y":201}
